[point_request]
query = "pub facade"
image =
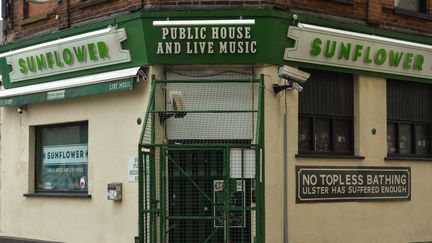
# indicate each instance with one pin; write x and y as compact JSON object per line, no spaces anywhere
{"x":224,"y":126}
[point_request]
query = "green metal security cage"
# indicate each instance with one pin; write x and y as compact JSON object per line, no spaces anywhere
{"x":201,"y":162}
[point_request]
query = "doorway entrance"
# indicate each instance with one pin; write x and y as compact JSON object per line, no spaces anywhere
{"x":201,"y":162}
{"x":203,"y":204}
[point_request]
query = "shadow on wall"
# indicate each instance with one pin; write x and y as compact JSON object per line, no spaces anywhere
{"x":5,"y":239}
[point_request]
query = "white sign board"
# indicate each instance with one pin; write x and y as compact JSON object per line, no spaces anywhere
{"x":242,"y":163}
{"x":90,"y":50}
{"x":65,"y":154}
{"x":133,"y":169}
{"x":338,"y":48}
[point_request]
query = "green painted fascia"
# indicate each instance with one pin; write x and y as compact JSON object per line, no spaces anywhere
{"x":360,"y":28}
{"x":287,"y":14}
{"x":276,"y":40}
{"x":69,"y":32}
{"x":94,"y":89}
{"x":131,"y":22}
{"x":270,"y":34}
{"x":357,"y":72}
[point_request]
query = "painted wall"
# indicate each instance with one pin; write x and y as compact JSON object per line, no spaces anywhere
{"x":273,"y":139}
{"x":374,"y":221}
{"x":113,"y":137}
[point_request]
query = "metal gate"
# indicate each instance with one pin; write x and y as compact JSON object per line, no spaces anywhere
{"x":205,"y":189}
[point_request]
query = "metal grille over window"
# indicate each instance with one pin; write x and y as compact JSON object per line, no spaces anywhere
{"x":326,"y":108}
{"x":201,"y":158}
{"x":409,"y":119}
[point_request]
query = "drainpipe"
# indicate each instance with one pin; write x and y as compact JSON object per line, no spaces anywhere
{"x":285,"y":161}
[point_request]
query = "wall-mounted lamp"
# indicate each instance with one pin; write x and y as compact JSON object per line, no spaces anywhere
{"x":295,"y":19}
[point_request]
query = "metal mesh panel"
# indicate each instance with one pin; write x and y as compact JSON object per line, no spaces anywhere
{"x":191,"y":113}
{"x":201,"y":195}
{"x":218,"y":111}
{"x":202,"y":176}
{"x":212,"y":72}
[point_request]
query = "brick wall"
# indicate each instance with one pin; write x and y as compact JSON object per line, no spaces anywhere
{"x":31,"y":18}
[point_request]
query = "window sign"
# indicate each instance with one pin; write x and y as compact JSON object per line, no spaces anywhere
{"x":65,"y":154}
{"x":62,"y":158}
{"x":132,"y":169}
{"x":332,"y":47}
{"x":90,"y":50}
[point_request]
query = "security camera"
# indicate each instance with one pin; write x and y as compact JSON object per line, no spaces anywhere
{"x":141,"y":76}
{"x":21,"y":108}
{"x":293,"y":74}
{"x":297,"y":87}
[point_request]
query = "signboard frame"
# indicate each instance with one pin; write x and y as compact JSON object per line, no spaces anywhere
{"x":357,"y":170}
{"x":358,"y":51}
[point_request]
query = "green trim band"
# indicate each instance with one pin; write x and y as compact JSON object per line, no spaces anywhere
{"x":68,"y":93}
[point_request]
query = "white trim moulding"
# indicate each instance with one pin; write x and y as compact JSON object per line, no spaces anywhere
{"x":203,"y":22}
{"x":56,"y":42}
{"x":366,"y":36}
{"x":70,"y":83}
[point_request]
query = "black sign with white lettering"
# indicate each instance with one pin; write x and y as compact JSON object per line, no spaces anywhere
{"x":335,"y":183}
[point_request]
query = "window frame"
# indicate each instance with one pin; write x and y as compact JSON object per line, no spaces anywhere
{"x":415,"y":110}
{"x":320,"y":103}
{"x":38,"y":164}
{"x":88,"y":3}
{"x":332,"y":132}
{"x":27,"y":19}
{"x":351,"y":2}
{"x":421,"y":13}
{"x":413,"y":153}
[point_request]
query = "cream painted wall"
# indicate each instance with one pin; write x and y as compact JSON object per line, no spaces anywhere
{"x":374,"y":221}
{"x":113,"y":137}
{"x":273,"y":122}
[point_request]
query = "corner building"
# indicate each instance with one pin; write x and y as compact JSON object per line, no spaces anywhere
{"x":294,"y":121}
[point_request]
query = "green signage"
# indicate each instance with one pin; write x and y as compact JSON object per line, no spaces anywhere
{"x":206,"y":40}
{"x":99,"y":47}
{"x":99,"y":88}
{"x":360,"y":53}
{"x":68,"y":56}
{"x":216,"y":40}
{"x":90,"y":50}
{"x":332,"y":47}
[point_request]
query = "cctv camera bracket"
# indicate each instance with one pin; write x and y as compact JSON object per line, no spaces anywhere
{"x":278,"y":88}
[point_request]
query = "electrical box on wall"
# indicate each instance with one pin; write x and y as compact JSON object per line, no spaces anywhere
{"x":5,"y":9}
{"x":114,"y":191}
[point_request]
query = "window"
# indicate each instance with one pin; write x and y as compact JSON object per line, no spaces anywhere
{"x":409,"y":119}
{"x":34,"y":11}
{"x":345,"y":1}
{"x":62,"y":158}
{"x":326,"y":114}
{"x":412,"y":5}
{"x":88,"y":3}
